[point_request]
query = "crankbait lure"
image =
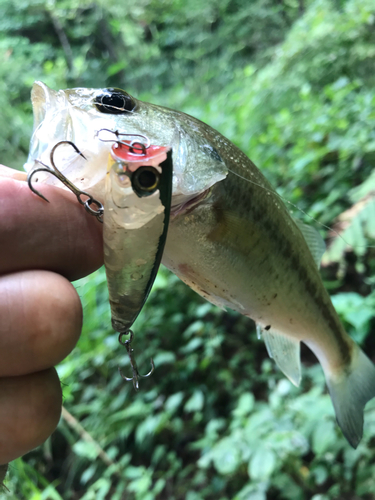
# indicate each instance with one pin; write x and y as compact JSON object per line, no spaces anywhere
{"x":135,"y":216}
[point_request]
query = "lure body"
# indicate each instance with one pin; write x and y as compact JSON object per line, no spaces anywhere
{"x":230,"y":237}
{"x":138,"y":192}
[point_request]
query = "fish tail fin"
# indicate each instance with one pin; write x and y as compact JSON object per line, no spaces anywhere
{"x":350,"y":389}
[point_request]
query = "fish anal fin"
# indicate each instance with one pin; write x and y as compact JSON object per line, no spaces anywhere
{"x":286,"y":353}
{"x":313,"y":239}
{"x":350,"y":390}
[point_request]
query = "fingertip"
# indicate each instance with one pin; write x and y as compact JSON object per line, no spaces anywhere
{"x":42,"y":321}
{"x":59,"y":235}
{"x":30,"y":409}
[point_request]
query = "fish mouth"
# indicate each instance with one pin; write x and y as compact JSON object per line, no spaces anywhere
{"x":58,"y":119}
{"x":51,"y":116}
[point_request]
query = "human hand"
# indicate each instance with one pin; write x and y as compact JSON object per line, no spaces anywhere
{"x":43,"y":246}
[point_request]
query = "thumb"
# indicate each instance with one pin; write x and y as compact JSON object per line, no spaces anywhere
{"x":13,"y":174}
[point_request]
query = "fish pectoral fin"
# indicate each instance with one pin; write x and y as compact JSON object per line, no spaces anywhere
{"x":313,"y":239}
{"x":350,"y":389}
{"x":286,"y":353}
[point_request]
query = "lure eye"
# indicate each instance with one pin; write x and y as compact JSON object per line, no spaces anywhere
{"x":145,"y":181}
{"x":114,"y":102}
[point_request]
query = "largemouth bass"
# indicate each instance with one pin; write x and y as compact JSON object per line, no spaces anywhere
{"x":230,"y":237}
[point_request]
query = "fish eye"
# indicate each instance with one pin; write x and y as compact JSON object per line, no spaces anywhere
{"x":114,"y":102}
{"x":145,"y":181}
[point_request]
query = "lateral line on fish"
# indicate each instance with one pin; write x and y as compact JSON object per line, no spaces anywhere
{"x":300,"y":209}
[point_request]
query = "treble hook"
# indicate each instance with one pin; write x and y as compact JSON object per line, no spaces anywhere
{"x":134,"y":146}
{"x":59,"y":175}
{"x":133,"y":364}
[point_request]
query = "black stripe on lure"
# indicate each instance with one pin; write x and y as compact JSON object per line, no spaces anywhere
{"x":135,"y":216}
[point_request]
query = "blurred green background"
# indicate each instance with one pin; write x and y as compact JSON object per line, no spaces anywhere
{"x":291,"y":82}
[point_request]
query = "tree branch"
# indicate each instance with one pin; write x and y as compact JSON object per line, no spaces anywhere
{"x":63,"y":40}
{"x":83,"y":434}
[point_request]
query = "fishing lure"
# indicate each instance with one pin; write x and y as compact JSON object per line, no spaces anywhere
{"x":138,"y":193}
{"x":135,"y":216}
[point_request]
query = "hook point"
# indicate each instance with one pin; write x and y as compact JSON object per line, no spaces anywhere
{"x":29,"y":177}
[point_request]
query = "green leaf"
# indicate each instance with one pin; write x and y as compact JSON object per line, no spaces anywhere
{"x":174,"y":401}
{"x":226,"y":457}
{"x":245,"y":405}
{"x":195,"y":402}
{"x":262,"y":464}
{"x":324,"y":437}
{"x":86,"y":449}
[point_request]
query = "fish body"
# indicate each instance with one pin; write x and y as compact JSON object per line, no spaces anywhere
{"x":230,"y":237}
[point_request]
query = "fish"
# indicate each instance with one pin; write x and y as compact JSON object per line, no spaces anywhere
{"x":230,"y":237}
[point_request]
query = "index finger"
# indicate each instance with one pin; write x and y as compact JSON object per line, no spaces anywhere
{"x":59,"y":236}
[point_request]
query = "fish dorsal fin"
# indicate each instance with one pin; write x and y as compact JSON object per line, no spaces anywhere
{"x":286,"y":353}
{"x":313,"y":239}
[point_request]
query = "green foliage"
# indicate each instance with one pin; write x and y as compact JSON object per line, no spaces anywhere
{"x":292,"y":84}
